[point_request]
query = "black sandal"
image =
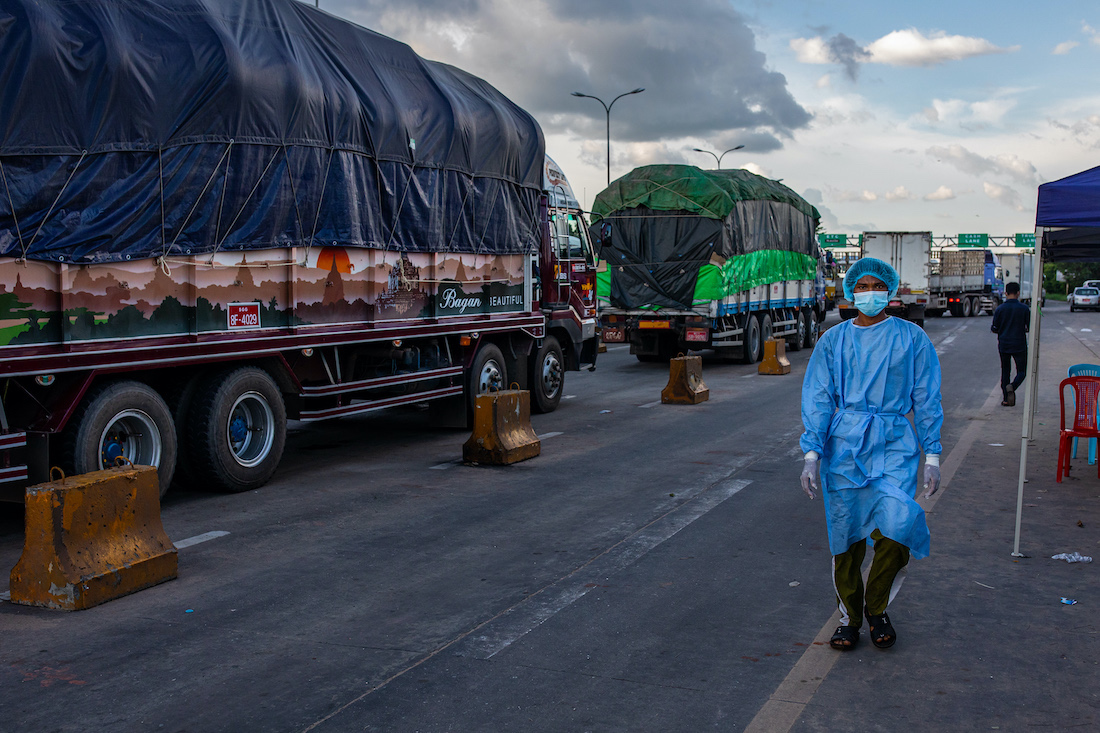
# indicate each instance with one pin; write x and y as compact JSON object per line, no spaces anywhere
{"x":883,"y":635}
{"x":845,"y":638}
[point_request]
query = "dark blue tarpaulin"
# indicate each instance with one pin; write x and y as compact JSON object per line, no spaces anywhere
{"x":139,"y":128}
{"x":1073,"y":201}
{"x":1071,"y":206}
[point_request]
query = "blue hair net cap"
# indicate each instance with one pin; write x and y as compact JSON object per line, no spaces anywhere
{"x":874,"y":268}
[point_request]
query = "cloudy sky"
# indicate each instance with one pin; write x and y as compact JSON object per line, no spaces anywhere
{"x":932,"y":115}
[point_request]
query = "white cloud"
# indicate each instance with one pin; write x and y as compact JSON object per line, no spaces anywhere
{"x":945,"y":110}
{"x":1005,"y":195}
{"x":811,"y":50}
{"x":991,"y":112}
{"x":1092,"y":33}
{"x":943,"y":193}
{"x":969,"y":115}
{"x":864,"y":196}
{"x":825,"y":82}
{"x":1065,"y":47}
{"x":757,"y":169}
{"x":912,"y":48}
{"x":901,"y":193}
{"x":970,"y":162}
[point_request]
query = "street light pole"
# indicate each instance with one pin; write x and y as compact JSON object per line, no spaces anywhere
{"x":607,"y":112}
{"x":718,"y":158}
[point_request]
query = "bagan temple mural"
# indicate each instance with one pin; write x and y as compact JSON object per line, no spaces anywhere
{"x":46,"y":302}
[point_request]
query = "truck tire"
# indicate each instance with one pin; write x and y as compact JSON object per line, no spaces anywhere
{"x":812,"y":332}
{"x":795,"y":343}
{"x":487,"y":374}
{"x":766,"y":332}
{"x":966,"y":309}
{"x":547,"y":376}
{"x":236,"y":430}
{"x":127,"y":419}
{"x":750,"y":338}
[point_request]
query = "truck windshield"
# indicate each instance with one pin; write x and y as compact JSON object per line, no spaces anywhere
{"x":572,"y":239}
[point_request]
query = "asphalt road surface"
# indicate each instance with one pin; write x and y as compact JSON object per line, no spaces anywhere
{"x":656,"y":568}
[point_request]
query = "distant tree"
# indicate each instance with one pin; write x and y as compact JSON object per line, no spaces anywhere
{"x":10,"y":306}
{"x":81,"y":323}
{"x":1074,"y":273}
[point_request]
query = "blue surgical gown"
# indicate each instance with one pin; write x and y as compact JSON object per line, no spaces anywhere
{"x":860,"y":385}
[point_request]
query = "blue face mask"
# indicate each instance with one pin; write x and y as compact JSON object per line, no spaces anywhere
{"x":872,"y":302}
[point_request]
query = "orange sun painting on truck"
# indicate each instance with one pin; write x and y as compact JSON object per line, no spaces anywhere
{"x":335,"y":256}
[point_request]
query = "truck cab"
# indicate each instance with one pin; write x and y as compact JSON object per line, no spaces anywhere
{"x":567,"y":277}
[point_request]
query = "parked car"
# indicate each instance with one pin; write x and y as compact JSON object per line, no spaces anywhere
{"x":1084,"y":297}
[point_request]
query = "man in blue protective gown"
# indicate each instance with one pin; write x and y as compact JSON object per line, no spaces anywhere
{"x":865,"y":376}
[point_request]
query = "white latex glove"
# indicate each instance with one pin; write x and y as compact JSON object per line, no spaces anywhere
{"x":809,"y":477}
{"x":931,"y":480}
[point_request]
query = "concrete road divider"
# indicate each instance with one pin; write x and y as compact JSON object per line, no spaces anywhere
{"x":775,"y":358}
{"x":685,"y":382}
{"x":502,"y":429}
{"x":92,"y":538}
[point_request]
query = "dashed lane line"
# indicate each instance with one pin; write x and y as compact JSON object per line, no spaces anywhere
{"x":200,"y":538}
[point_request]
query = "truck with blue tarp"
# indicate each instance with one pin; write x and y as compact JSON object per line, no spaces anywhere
{"x":217,"y":216}
{"x":716,"y":259}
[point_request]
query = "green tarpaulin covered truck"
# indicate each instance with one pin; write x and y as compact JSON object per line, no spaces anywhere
{"x":696,"y":259}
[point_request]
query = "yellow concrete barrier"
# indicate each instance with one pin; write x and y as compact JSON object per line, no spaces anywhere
{"x":92,"y":538}
{"x":502,"y":429}
{"x":685,"y":382}
{"x":775,"y":358}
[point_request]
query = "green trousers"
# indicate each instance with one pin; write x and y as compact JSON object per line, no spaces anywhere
{"x":882,"y":582}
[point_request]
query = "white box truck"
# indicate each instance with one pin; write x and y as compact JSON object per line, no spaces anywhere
{"x":962,"y":282}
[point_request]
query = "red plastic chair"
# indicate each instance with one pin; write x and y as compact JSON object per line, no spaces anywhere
{"x":1086,"y":393}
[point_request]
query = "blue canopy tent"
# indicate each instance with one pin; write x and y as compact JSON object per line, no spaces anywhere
{"x":1067,"y":229}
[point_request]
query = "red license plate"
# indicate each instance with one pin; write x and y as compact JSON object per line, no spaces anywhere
{"x":613,"y":335}
{"x":243,"y":315}
{"x":694,"y":335}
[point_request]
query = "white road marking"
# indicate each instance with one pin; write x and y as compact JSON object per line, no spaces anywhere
{"x":544,"y":436}
{"x":5,"y":596}
{"x":204,"y":537}
{"x":648,"y":405}
{"x":950,"y":337}
{"x":505,"y":629}
{"x":445,"y":466}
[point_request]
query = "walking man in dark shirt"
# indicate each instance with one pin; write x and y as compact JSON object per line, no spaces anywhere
{"x":1010,"y":322}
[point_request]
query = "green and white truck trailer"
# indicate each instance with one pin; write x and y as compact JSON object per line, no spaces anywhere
{"x":694,"y":259}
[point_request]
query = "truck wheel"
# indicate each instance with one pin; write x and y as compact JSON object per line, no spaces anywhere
{"x":236,"y":430}
{"x":794,"y":344}
{"x":750,"y":338}
{"x":765,"y":333}
{"x":967,"y":308}
{"x":487,"y":374}
{"x":813,"y":330}
{"x":127,"y":419}
{"x":547,"y":376}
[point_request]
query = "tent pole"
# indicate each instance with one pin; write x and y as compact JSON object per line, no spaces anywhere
{"x":1032,"y":392}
